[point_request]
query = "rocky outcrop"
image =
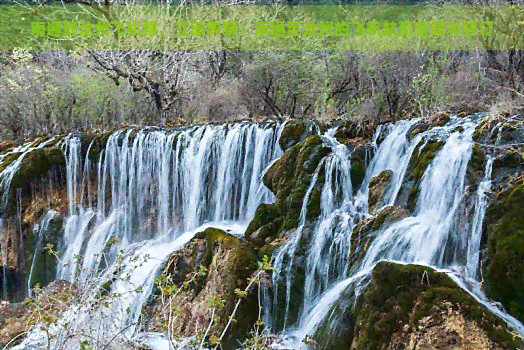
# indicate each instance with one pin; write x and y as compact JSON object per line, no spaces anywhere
{"x":289,"y":178}
{"x":415,"y":307}
{"x":438,"y":119}
{"x":200,"y":283}
{"x":296,"y":131}
{"x":352,"y":129}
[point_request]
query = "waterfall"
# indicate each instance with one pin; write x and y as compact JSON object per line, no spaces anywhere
{"x":152,"y":189}
{"x":156,"y":189}
{"x":288,"y":251}
{"x":421,"y":238}
{"x":481,"y":204}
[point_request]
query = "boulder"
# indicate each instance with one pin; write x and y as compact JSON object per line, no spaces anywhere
{"x":413,"y":307}
{"x":206,"y":273}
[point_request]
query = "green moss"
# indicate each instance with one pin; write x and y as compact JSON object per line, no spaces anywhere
{"x":294,"y":132}
{"x":289,"y":178}
{"x":400,"y":295}
{"x":476,"y":166}
{"x":504,"y":271}
{"x":265,"y":214}
{"x":36,"y":164}
{"x":357,"y":172}
{"x":424,"y":157}
{"x":511,"y":159}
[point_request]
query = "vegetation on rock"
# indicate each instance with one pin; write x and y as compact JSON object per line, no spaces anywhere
{"x":504,"y":270}
{"x":203,"y":279}
{"x":403,"y":304}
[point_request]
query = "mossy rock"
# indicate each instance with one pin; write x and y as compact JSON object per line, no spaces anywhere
{"x":403,"y":302}
{"x":424,"y":156}
{"x":484,"y":130}
{"x":229,"y":263}
{"x":296,"y":131}
{"x":355,"y":129}
{"x":95,"y":144}
{"x":36,"y":164}
{"x":510,"y":158}
{"x":264,"y":215}
{"x":476,"y":166}
{"x":360,"y":151}
{"x":504,"y":271}
{"x":418,"y":128}
{"x":289,"y":178}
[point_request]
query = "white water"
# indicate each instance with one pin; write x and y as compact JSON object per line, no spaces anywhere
{"x":422,"y":238}
{"x":156,"y":189}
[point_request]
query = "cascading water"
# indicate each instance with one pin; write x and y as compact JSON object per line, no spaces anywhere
{"x":328,"y":253}
{"x":156,"y":189}
{"x":421,"y":238}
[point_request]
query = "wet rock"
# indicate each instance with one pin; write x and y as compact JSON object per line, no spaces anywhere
{"x":265,"y":224}
{"x":378,"y":186}
{"x":439,"y":119}
{"x":361,"y":154}
{"x":296,"y":131}
{"x":228,"y":263}
{"x":355,"y":129}
{"x":289,"y":178}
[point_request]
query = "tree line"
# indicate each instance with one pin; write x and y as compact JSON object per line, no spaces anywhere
{"x":50,"y":92}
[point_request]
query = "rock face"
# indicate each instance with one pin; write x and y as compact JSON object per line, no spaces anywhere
{"x":296,"y":131}
{"x":414,"y":307}
{"x":228,"y":264}
{"x":377,"y":187}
